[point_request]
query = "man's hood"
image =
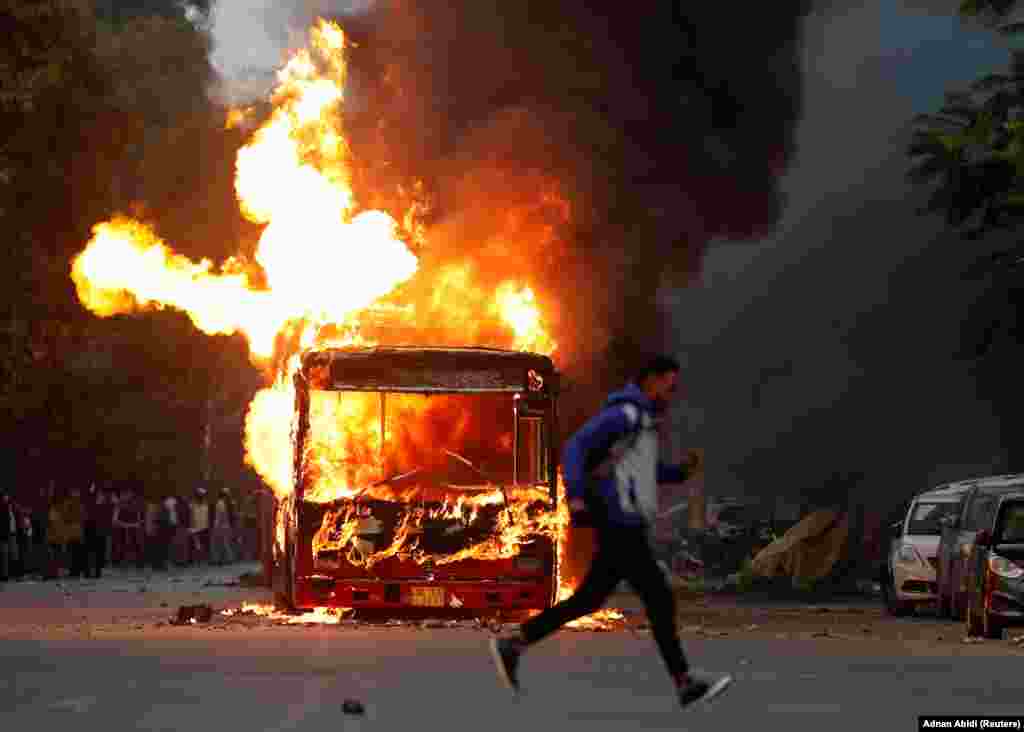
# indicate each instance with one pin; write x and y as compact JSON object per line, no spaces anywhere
{"x":632,"y":394}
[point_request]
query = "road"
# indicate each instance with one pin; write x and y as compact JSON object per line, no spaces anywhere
{"x":103,"y":662}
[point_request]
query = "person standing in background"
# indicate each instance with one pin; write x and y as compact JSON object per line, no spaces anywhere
{"x":100,"y":525}
{"x":40,"y":516}
{"x":7,"y":540}
{"x":222,"y":534}
{"x":23,"y":538}
{"x":68,"y":525}
{"x":129,"y":532}
{"x":55,"y":533}
{"x":113,"y":497}
{"x":200,"y":529}
{"x":182,"y":539}
{"x":159,"y":532}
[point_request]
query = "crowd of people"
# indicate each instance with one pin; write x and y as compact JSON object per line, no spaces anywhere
{"x":83,"y":530}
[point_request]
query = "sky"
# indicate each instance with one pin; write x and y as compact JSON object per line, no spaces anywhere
{"x":829,"y":345}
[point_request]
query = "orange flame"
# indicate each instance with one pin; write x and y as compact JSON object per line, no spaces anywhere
{"x":319,"y":616}
{"x":330,"y":272}
{"x":323,"y":261}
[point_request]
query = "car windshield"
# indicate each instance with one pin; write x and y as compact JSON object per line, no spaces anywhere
{"x":1011,"y":523}
{"x":924,"y":521}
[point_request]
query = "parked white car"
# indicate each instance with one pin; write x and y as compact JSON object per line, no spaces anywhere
{"x":913,"y":558}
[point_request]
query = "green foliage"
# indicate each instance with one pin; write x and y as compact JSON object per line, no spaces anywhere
{"x":104,"y":109}
{"x":970,"y":155}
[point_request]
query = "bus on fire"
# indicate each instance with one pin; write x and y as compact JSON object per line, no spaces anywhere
{"x":424,"y":479}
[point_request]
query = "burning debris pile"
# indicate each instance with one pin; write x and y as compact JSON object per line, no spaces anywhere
{"x":320,"y":616}
{"x":604,"y":620}
{"x":329,"y":272}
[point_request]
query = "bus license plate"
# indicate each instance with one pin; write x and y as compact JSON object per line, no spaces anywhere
{"x":427,"y":596}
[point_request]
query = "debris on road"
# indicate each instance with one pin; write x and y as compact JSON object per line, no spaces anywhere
{"x":808,"y":551}
{"x":191,"y":614}
{"x":351,"y":706}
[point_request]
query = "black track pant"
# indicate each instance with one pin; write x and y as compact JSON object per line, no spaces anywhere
{"x":623,"y":553}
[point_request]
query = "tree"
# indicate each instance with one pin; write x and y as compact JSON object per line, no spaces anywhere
{"x":970,"y":154}
{"x":48,"y":74}
{"x":101,"y":115}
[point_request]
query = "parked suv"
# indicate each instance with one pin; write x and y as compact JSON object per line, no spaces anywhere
{"x":909,"y":579}
{"x":995,"y":572}
{"x":959,"y":532}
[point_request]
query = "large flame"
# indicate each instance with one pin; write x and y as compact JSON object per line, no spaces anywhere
{"x":323,"y":261}
{"x":329,"y":270}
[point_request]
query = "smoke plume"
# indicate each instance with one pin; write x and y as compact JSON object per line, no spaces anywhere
{"x":625,"y":137}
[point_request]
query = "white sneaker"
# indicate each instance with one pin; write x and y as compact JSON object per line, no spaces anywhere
{"x":703,"y":688}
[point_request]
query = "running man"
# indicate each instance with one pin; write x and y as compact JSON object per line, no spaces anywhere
{"x":612,"y":471}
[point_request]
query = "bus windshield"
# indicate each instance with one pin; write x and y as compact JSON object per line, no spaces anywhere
{"x":357,"y":439}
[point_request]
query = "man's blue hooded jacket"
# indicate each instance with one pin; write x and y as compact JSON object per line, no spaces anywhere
{"x":612,"y":461}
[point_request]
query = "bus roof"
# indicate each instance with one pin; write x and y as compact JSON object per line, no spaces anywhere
{"x":428,"y":369}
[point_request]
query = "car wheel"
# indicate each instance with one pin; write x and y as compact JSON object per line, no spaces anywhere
{"x":972,"y":623}
{"x":991,"y":628}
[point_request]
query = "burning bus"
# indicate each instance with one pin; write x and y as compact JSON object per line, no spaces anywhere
{"x":402,"y":477}
{"x":424,"y":478}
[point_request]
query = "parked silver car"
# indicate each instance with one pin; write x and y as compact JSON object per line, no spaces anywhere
{"x":959,"y":532}
{"x":910,"y":578}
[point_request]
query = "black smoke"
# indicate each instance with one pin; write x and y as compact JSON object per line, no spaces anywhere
{"x":664,"y":126}
{"x":842,"y":344}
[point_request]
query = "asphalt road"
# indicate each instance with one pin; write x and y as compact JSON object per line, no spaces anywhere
{"x":130,"y":673}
